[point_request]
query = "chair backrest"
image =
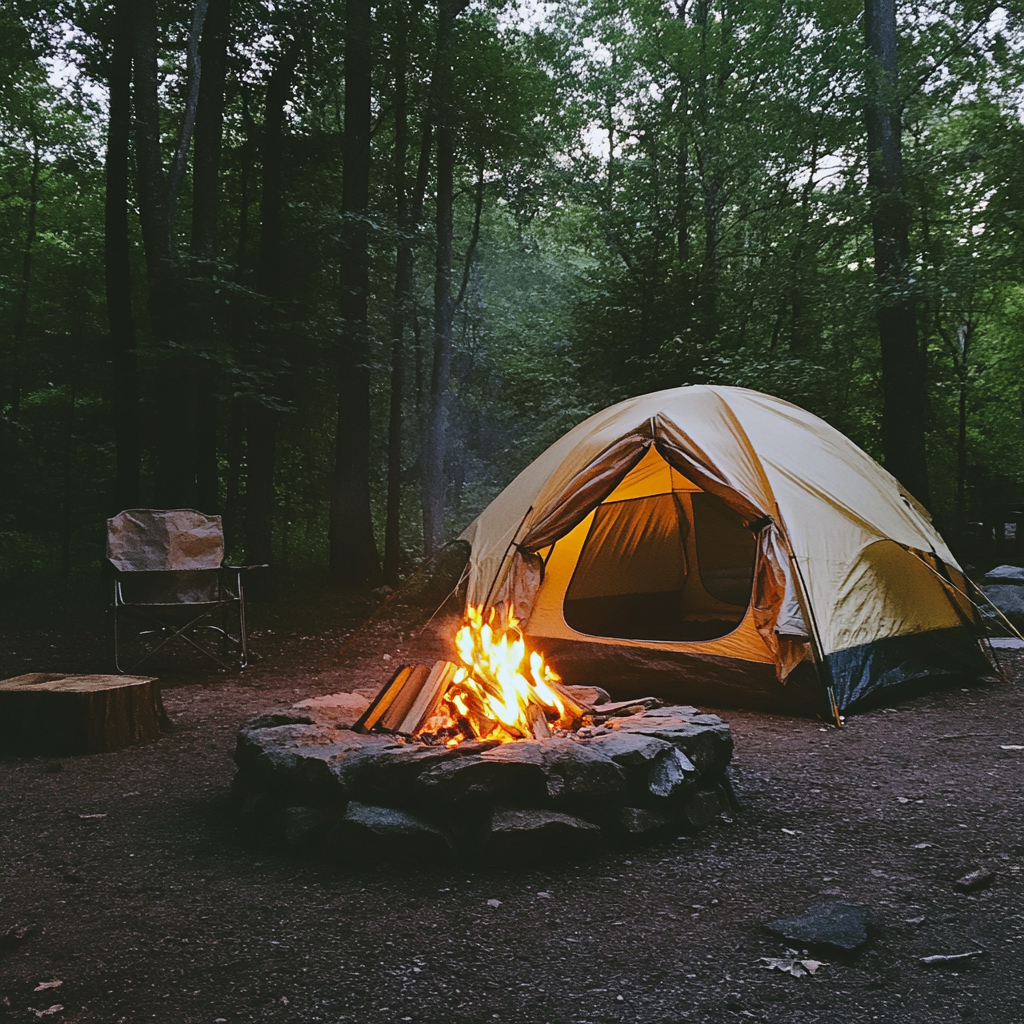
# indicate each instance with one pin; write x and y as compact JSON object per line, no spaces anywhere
{"x":146,"y":540}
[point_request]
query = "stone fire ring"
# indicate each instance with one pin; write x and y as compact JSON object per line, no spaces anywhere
{"x":307,"y":779}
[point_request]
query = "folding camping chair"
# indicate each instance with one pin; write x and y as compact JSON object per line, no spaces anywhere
{"x":169,"y":582}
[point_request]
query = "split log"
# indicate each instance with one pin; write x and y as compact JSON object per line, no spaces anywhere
{"x":58,"y":714}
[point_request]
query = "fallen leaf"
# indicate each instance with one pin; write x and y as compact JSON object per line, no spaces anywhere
{"x":797,"y":968}
{"x":789,"y":832}
{"x":86,"y":817}
{"x":902,"y":800}
{"x":494,"y":903}
{"x":1011,"y":746}
{"x":923,"y":846}
{"x":44,"y":985}
{"x":544,"y":895}
{"x":49,"y":1012}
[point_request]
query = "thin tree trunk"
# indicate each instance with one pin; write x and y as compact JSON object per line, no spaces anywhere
{"x":233,"y":508}
{"x":261,"y":452}
{"x":209,"y":130}
{"x":354,"y":557}
{"x":117,"y":264}
{"x":175,"y":478}
{"x":67,"y":499}
{"x":403,"y":290}
{"x":261,"y":421}
{"x":21,"y":310}
{"x":208,"y":133}
{"x":444,"y":303}
{"x":903,"y":371}
{"x":963,"y":365}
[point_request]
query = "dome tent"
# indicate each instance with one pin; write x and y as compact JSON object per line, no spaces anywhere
{"x":718,"y":545}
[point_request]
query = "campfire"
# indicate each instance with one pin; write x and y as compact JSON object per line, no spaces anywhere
{"x":497,"y":691}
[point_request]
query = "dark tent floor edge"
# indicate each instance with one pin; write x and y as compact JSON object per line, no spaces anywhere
{"x":882,"y":671}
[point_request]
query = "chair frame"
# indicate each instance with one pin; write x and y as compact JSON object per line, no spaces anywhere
{"x":118,"y":608}
{"x":184,"y":619}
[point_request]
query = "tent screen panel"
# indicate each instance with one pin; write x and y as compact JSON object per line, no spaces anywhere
{"x":640,"y":573}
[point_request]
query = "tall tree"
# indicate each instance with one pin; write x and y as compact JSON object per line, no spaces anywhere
{"x":118,"y":266}
{"x":158,"y":191}
{"x":354,"y":557}
{"x":206,"y":189}
{"x":435,"y":443}
{"x":903,"y":367}
{"x":262,"y":416}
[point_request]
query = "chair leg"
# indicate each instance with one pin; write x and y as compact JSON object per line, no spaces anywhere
{"x":243,"y":639}
{"x":114,"y":637}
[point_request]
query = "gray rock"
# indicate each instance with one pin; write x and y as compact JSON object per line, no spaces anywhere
{"x":705,"y":739}
{"x":633,"y":751}
{"x":703,"y":807}
{"x":304,"y":827}
{"x":477,"y":779}
{"x":260,"y":816}
{"x":1009,"y":599}
{"x":671,"y":777}
{"x":1011,"y":575}
{"x":301,"y":761}
{"x":975,"y":880}
{"x":531,"y":835}
{"x":367,"y":834}
{"x":839,"y":926}
{"x":386,"y":775}
{"x":577,"y":778}
{"x":640,"y":824}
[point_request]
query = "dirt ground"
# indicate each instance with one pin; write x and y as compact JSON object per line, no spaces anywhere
{"x":146,"y":903}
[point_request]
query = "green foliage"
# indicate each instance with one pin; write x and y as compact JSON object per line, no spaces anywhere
{"x":672,"y":194}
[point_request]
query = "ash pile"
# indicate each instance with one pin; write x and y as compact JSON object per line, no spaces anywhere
{"x":315,"y":780}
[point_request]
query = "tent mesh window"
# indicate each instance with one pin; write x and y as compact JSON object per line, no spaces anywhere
{"x":670,"y":567}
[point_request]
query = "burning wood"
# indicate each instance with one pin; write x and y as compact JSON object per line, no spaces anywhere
{"x":500,"y":691}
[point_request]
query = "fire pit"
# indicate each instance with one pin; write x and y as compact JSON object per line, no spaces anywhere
{"x":489,"y":757}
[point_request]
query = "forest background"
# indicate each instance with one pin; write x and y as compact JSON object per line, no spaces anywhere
{"x":338,"y":271}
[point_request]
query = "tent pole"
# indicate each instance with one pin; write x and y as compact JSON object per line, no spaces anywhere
{"x":815,"y":637}
{"x":504,"y":558}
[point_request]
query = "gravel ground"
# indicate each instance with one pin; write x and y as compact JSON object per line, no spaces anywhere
{"x":145,"y":903}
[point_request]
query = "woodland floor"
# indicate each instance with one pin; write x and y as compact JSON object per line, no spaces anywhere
{"x":161,"y":910}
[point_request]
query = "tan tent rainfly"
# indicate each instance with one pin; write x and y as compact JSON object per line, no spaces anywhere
{"x":715,"y":543}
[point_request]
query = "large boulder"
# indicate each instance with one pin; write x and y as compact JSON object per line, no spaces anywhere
{"x":705,"y":739}
{"x":578,"y":779}
{"x":530,"y":836}
{"x":476,"y":779}
{"x":300,"y":760}
{"x":1004,"y":587}
{"x":367,"y":834}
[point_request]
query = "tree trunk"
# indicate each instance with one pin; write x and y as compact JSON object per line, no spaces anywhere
{"x":21,"y":311}
{"x":117,"y":265}
{"x":403,"y":290}
{"x":212,"y":54}
{"x":175,"y":477}
{"x":903,"y":371}
{"x":444,"y":303}
{"x":261,"y":451}
{"x":209,"y":132}
{"x":354,"y":556}
{"x":261,"y":420}
{"x":233,"y":509}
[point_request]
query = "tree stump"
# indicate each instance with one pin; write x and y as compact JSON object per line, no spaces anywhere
{"x":59,"y":714}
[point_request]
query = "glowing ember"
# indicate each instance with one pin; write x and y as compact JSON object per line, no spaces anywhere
{"x":500,"y":691}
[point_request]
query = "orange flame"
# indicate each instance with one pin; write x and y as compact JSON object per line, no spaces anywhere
{"x":501,"y":691}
